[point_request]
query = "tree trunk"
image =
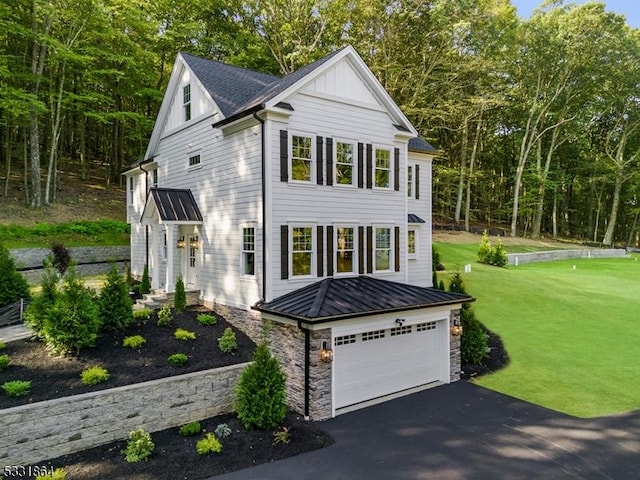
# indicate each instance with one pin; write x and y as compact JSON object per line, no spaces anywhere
{"x":56,"y":129}
{"x":463,"y":169}
{"x":613,"y":217}
{"x":472,"y":161}
{"x":9,"y":149}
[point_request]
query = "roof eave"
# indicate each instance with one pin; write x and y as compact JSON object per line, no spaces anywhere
{"x":238,"y":116}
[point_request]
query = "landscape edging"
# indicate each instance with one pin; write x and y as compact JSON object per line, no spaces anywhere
{"x":51,"y":428}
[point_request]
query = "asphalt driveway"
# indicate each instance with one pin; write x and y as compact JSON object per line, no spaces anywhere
{"x":462,"y":431}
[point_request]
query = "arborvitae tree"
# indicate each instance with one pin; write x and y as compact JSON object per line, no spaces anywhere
{"x":434,"y":279}
{"x":43,"y":301}
{"x":145,"y":283}
{"x":261,"y":392}
{"x":473,"y":342}
{"x":13,"y":286}
{"x":61,"y":258}
{"x":115,"y":304}
{"x":179,"y":297}
{"x":484,"y":249}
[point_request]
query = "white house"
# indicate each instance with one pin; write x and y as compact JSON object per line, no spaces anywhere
{"x":306,"y":201}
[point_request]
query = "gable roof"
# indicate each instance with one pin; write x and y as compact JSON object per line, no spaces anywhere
{"x":334,"y":299}
{"x":173,"y":205}
{"x":420,"y":145}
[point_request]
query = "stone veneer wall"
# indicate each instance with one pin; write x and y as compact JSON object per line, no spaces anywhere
{"x":455,"y":360}
{"x":44,"y":430}
{"x":287,"y":343}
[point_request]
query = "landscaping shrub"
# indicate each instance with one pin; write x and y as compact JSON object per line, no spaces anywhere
{"x":139,"y":447}
{"x":94,"y":375}
{"x":206,"y":319}
{"x":135,"y":341}
{"x":38,"y":309}
{"x":282,"y":436}
{"x":208,"y":444}
{"x":227,"y":342}
{"x":115,"y":303}
{"x":142,"y":314}
{"x":182,"y":334}
{"x":2,"y":345}
{"x":179,"y":297}
{"x":164,"y":316}
{"x":491,"y":255}
{"x":57,"y":474}
{"x":190,"y":429}
{"x":16,"y":388}
{"x":260,"y":392}
{"x":145,"y":283}
{"x":222,"y":431}
{"x":73,"y":321}
{"x":178,"y":359}
{"x":436,"y":260}
{"x":61,"y":258}
{"x":473,"y":341}
{"x":5,"y":360}
{"x":13,"y":286}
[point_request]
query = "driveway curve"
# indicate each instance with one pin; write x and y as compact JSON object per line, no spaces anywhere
{"x":463,"y":431}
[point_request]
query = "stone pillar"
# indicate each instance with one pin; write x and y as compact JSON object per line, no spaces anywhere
{"x":455,"y":360}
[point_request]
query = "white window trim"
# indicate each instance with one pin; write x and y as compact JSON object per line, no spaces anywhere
{"x":391,"y":167}
{"x":354,"y":165}
{"x":411,"y":181}
{"x":164,"y":245}
{"x":186,"y":104}
{"x":154,"y":177}
{"x":314,"y":251}
{"x":391,"y":248}
{"x":131,"y":189}
{"x":355,"y":250}
{"x":243,"y":251}
{"x":312,"y":179}
{"x":416,"y":254}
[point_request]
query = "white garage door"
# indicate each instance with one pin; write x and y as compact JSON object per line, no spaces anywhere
{"x":381,"y":362}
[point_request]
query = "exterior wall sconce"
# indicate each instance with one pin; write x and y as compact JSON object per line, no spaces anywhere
{"x":194,"y":243}
{"x":456,"y":328}
{"x":181,"y":243}
{"x":399,"y":321}
{"x":326,"y":354}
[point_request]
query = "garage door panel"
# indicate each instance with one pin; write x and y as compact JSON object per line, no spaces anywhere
{"x":387,"y":364}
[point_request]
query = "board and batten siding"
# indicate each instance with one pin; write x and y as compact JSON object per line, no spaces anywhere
{"x":227,"y":188}
{"x":333,"y":205}
{"x":419,"y":268}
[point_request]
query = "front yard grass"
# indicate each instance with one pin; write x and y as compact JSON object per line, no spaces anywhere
{"x":572,"y":334}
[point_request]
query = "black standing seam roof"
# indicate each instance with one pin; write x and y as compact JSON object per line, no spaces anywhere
{"x":420,"y":145}
{"x":174,"y":205}
{"x":335,"y":299}
{"x":413,"y":218}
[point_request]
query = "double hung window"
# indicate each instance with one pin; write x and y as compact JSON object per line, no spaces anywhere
{"x":301,"y":158}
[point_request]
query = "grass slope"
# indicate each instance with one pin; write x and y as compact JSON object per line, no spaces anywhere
{"x":572,"y":334}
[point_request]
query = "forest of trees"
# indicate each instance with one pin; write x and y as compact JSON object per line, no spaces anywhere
{"x":538,"y":120}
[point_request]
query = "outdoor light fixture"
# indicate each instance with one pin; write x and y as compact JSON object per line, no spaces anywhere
{"x":326,"y":354}
{"x":180,"y":243}
{"x":399,"y":321}
{"x":456,"y":328}
{"x":194,"y":243}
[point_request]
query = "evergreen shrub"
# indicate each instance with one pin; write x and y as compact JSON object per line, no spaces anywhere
{"x":179,"y":297}
{"x":227,"y":342}
{"x":115,"y":304}
{"x":145,"y":283}
{"x":13,"y":286}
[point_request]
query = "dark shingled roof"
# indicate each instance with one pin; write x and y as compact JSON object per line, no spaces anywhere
{"x":174,"y":205}
{"x":420,"y":145}
{"x":340,"y":298}
{"x":413,"y":218}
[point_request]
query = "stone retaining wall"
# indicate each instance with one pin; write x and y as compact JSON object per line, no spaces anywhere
{"x":520,"y":258}
{"x":29,"y":258}
{"x":45,"y":430}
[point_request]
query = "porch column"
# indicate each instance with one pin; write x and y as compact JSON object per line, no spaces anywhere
{"x":155,"y":260}
{"x":171,"y":247}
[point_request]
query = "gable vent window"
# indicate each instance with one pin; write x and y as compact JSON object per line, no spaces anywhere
{"x":374,"y":335}
{"x":395,"y":331}
{"x":194,"y":160}
{"x":186,"y":102}
{"x":344,"y":340}
{"x":421,"y":327}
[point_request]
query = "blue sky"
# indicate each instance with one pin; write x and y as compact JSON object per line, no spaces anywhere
{"x":628,"y":8}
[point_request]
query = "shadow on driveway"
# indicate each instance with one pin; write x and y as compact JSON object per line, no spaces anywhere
{"x":463,"y":431}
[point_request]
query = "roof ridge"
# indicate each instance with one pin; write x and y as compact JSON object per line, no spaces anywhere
{"x":231,"y":65}
{"x":320,"y":296}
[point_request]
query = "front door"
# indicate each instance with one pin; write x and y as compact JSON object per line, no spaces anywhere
{"x":191,"y":280}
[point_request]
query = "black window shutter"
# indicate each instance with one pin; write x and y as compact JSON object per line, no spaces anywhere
{"x":320,"y":253}
{"x":396,"y":169}
{"x":361,"y":241}
{"x":396,"y":253}
{"x":329,"y":161}
{"x":329,"y":251}
{"x":284,"y":252}
{"x":360,"y":165}
{"x":319,"y":146}
{"x":369,"y":249}
{"x":284,"y":156}
{"x":369,"y":165}
{"x":416,"y":182}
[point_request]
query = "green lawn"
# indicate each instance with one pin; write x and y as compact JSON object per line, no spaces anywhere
{"x":573,"y":335}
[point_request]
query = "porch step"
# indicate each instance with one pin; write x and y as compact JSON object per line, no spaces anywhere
{"x":158,"y":299}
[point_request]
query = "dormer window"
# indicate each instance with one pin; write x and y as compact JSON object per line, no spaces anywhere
{"x":186,"y":102}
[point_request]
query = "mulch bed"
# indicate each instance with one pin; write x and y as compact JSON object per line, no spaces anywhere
{"x":175,"y":456}
{"x":498,"y":358}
